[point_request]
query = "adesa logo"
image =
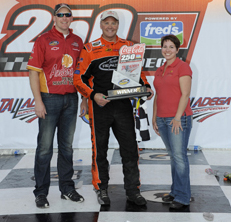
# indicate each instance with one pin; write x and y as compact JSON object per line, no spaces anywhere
{"x":152,"y":32}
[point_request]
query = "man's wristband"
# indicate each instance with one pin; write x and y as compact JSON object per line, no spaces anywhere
{"x":177,"y":120}
{"x":92,"y":95}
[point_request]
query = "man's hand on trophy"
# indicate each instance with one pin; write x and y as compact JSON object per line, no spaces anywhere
{"x":151,"y":93}
{"x":101,"y":99}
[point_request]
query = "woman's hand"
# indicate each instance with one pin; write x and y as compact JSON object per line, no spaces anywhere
{"x":176,"y":126}
{"x":155,"y":127}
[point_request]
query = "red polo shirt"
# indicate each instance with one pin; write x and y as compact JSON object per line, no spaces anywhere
{"x":55,"y":58}
{"x":168,"y":88}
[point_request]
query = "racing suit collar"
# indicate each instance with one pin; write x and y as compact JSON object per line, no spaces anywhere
{"x":60,"y":34}
{"x":104,"y":41}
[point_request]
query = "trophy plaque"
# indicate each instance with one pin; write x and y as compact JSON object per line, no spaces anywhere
{"x":126,"y":77}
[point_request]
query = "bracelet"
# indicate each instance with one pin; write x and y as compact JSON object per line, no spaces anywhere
{"x":177,"y":120}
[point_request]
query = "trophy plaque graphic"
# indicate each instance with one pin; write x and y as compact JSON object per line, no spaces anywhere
{"x":126,"y":77}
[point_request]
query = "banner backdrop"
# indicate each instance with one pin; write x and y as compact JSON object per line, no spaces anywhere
{"x":203,"y":27}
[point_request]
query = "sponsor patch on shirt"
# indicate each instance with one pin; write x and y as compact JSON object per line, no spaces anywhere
{"x":75,"y":44}
{"x":97,"y":43}
{"x":170,"y":73}
{"x":67,"y":61}
{"x":54,"y":48}
{"x":53,"y":43}
{"x":88,"y":47}
{"x":109,"y":65}
{"x":77,"y":72}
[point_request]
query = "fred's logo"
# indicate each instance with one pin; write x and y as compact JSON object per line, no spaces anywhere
{"x":53,"y":43}
{"x":67,"y":61}
{"x":152,"y":32}
{"x":123,"y":82}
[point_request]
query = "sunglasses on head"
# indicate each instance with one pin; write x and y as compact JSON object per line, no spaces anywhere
{"x":60,"y":15}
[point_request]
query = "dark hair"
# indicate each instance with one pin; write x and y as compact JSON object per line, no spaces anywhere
{"x":172,"y":38}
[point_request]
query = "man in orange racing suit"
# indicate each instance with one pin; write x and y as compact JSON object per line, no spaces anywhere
{"x":92,"y":79}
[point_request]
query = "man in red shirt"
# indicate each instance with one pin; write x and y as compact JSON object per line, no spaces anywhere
{"x":51,"y":65}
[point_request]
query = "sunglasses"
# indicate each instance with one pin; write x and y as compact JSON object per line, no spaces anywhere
{"x":61,"y":15}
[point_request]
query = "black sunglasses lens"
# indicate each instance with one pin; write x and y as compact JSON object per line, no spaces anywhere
{"x":60,"y":15}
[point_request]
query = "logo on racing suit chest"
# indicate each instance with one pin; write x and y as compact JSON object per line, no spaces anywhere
{"x":53,"y":43}
{"x":97,"y":43}
{"x":109,"y":65}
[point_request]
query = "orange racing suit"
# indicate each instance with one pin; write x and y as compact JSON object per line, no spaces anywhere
{"x":93,"y":75}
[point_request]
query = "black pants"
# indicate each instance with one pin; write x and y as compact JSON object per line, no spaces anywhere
{"x":118,"y":115}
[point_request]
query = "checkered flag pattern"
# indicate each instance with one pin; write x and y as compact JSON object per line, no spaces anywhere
{"x":141,"y":121}
{"x":17,"y":65}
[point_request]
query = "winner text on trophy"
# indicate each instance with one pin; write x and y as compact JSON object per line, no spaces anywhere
{"x":126,"y":77}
